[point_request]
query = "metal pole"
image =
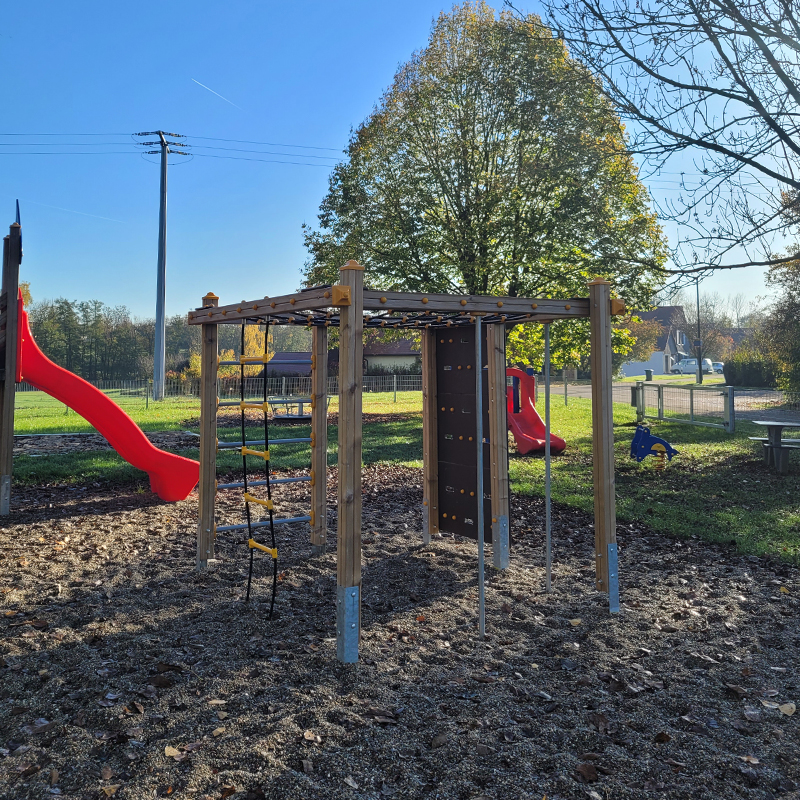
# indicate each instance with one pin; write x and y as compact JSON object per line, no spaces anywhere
{"x":394,"y":381}
{"x":547,"y":515}
{"x":159,"y":356}
{"x":699,"y":349}
{"x":479,"y":492}
{"x":564,"y":372}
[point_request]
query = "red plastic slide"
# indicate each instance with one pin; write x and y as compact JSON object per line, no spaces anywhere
{"x":172,"y":477}
{"x":527,"y":426}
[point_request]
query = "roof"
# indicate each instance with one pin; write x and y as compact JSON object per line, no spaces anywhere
{"x":666,"y":315}
{"x":402,"y":347}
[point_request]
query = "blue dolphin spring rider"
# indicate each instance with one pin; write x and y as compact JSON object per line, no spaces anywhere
{"x":645,"y":444}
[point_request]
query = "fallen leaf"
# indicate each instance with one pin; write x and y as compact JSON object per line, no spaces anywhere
{"x":587,"y":773}
{"x":351,"y":782}
{"x":421,"y":618}
{"x":171,"y":752}
{"x":750,"y":759}
{"x":484,"y":750}
{"x":53,"y":777}
{"x":768,"y":703}
{"x":575,"y":622}
{"x":217,"y":732}
{"x":738,"y":691}
{"x":38,"y":726}
{"x":160,"y":681}
{"x":106,"y":773}
{"x":110,"y":791}
{"x":787,"y":708}
{"x":222,"y":715}
{"x":217,"y":702}
{"x":438,"y":741}
{"x":662,"y":737}
{"x":677,"y":766}
{"x":752,"y":713}
{"x":783,"y":590}
{"x":227,"y":791}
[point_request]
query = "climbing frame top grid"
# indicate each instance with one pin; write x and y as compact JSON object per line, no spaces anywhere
{"x":319,"y":306}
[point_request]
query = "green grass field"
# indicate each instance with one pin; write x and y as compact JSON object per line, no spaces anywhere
{"x":676,"y":380}
{"x":716,"y":488}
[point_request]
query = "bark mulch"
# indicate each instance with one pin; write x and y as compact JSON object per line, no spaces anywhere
{"x":126,"y":674}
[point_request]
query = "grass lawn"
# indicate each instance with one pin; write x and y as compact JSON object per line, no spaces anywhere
{"x":716,"y":488}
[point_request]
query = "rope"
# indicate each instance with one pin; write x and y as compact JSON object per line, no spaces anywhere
{"x":267,"y":475}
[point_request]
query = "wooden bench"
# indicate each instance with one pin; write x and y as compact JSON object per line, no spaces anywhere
{"x":795,"y":441}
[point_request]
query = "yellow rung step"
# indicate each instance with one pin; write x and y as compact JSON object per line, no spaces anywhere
{"x":312,"y":515}
{"x":248,"y":498}
{"x":273,"y":551}
{"x":246,"y":451}
{"x":262,"y":359}
{"x":312,"y":477}
{"x":260,"y":406}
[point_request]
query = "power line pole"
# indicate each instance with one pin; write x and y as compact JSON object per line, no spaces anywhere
{"x":159,"y":354}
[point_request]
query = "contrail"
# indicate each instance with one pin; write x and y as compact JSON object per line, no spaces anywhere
{"x":218,"y":95}
{"x":71,"y":211}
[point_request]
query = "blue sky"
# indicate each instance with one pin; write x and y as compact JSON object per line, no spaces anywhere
{"x":301,"y":73}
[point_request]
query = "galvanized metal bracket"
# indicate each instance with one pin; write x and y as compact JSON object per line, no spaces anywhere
{"x":500,"y":543}
{"x":613,"y":578}
{"x":426,"y":524}
{"x":348,"y":623}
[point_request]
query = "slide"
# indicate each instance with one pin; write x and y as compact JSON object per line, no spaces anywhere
{"x":527,"y":426}
{"x":172,"y":477}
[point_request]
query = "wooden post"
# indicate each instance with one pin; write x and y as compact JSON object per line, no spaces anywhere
{"x":12,"y":257}
{"x":348,"y":551}
{"x":207,"y":487}
{"x":430,"y":449}
{"x":319,"y":437}
{"x":498,"y":443}
{"x":605,"y":516}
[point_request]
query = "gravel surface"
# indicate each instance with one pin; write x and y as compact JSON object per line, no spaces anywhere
{"x":123,"y":673}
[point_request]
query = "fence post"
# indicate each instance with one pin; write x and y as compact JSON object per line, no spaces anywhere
{"x":691,"y":403}
{"x":394,"y":381}
{"x":564,"y":373}
{"x":283,"y":386}
{"x":729,"y":409}
{"x":661,"y":402}
{"x":639,"y":401}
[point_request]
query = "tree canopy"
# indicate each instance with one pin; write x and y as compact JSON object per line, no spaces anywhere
{"x":492,"y":165}
{"x":713,"y":80}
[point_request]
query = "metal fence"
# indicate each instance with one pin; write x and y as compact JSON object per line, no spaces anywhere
{"x":253,"y":387}
{"x":712,"y":407}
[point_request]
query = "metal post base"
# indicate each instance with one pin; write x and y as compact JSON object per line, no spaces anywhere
{"x":426,"y":525}
{"x":318,"y":549}
{"x":500,"y":545}
{"x":613,"y":578}
{"x":348,"y":612}
{"x":5,"y":494}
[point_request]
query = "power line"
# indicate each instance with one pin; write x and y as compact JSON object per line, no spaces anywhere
{"x":266,"y":144}
{"x":264,"y":160}
{"x":263,"y":152}
{"x":126,"y":133}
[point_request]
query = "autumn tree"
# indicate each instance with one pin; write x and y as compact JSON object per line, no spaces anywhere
{"x":492,"y":165}
{"x":711,"y":88}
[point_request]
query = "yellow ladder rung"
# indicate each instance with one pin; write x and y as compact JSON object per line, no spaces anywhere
{"x":260,"y":406}
{"x":273,"y":551}
{"x":248,"y":498}
{"x":246,"y":451}
{"x":313,"y":477}
{"x":264,"y":359}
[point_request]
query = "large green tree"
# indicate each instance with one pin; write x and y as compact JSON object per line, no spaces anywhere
{"x":492,"y":165}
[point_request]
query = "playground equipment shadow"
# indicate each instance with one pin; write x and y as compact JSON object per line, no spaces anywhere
{"x":122,"y":667}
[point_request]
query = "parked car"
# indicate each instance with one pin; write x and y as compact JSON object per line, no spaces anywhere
{"x":719,"y":367}
{"x":688,"y":366}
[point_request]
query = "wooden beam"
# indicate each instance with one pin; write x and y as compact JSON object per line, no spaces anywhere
{"x":430,"y":448}
{"x":605,"y":516}
{"x":314,"y":299}
{"x":498,"y":443}
{"x":12,"y":257}
{"x":348,"y":552}
{"x":319,"y":438}
{"x":207,"y":487}
{"x":470,"y":304}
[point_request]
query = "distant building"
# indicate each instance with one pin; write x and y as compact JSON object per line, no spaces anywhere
{"x":672,"y":345}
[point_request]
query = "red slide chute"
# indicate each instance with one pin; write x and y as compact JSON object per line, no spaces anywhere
{"x":172,"y":477}
{"x":526,"y":425}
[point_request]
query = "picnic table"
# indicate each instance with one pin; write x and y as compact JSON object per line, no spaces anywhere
{"x":776,"y":449}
